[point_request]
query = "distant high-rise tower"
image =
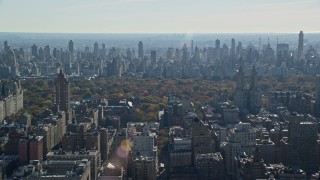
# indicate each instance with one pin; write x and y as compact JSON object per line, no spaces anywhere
{"x":192,"y":49}
{"x":12,"y":62}
{"x":153,"y":57}
{"x":240,"y":84}
{"x":255,"y":95}
{"x":217,"y":50}
{"x":196,"y":56}
{"x":96,"y":49}
{"x":239,"y":97}
{"x":253,"y":78}
{"x":47,"y":52}
{"x":6,"y":46}
{"x":129,"y":55}
{"x":184,"y":54}
{"x":140,"y":50}
{"x":133,"y":53}
{"x":300,"y":46}
{"x":66,"y":59}
{"x":41,"y":54}
{"x":55,"y":52}
{"x":62,"y":92}
{"x":233,"y":49}
{"x":247,"y":100}
{"x":34,"y":50}
{"x":217,"y":44}
{"x":260,"y":44}
{"x":71,"y":51}
{"x":71,"y":48}
{"x":177,"y":55}
{"x":239,"y":50}
{"x":103,"y":51}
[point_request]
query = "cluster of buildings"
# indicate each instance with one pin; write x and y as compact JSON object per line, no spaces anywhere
{"x":252,"y":135}
{"x":89,"y":141}
{"x":210,"y":62}
{"x":11,"y":97}
{"x":11,"y":94}
{"x":61,"y":143}
{"x":243,"y":138}
{"x":280,"y":145}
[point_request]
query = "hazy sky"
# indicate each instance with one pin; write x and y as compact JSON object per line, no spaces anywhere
{"x":178,"y":16}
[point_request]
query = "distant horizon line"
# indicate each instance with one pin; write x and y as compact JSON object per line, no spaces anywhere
{"x":305,"y":32}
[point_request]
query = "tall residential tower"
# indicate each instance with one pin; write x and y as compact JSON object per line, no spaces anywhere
{"x":300,"y":46}
{"x":62,"y":92}
{"x":140,"y":50}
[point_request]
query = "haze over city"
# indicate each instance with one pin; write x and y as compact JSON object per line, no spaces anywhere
{"x":160,"y":89}
{"x":159,"y":16}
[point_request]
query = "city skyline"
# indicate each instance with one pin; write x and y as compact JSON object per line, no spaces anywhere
{"x":159,"y":16}
{"x":159,"y":106}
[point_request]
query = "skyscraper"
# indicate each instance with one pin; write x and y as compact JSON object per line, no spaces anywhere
{"x":103,"y":51}
{"x":12,"y":62}
{"x":96,"y":49}
{"x":129,"y":55}
{"x":62,"y":92}
{"x":300,"y":46}
{"x":66,"y":59}
{"x":153,"y":57}
{"x":239,"y":50}
{"x":184,"y":55}
{"x":71,"y":51}
{"x":6,"y":46}
{"x":192,"y":49}
{"x":217,"y":50}
{"x":255,"y":95}
{"x":41,"y":54}
{"x":217,"y":44}
{"x":170,"y":53}
{"x":47,"y":52}
{"x":140,"y":50}
{"x":247,"y":100}
{"x":233,"y":49}
{"x":239,"y":93}
{"x":71,"y":46}
{"x":282,"y":54}
{"x":34,"y":50}
{"x":196,"y":56}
